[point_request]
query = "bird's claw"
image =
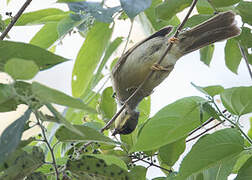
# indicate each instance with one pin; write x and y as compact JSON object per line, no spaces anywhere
{"x":173,"y":40}
{"x":158,"y":67}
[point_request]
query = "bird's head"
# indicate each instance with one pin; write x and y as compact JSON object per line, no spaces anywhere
{"x":126,"y":122}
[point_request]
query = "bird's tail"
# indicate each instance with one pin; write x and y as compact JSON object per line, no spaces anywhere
{"x":219,"y":27}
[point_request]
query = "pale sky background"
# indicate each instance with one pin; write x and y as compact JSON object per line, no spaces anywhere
{"x":188,"y":69}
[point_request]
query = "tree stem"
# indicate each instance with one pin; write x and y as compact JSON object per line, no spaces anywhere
{"x":15,"y":18}
{"x":48,"y":144}
{"x":246,"y":59}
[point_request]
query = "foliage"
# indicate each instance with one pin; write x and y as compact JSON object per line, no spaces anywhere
{"x":72,"y":141}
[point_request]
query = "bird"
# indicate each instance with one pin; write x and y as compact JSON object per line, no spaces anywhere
{"x":135,"y":64}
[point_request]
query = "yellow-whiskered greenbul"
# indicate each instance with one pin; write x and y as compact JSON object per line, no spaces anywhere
{"x":134,"y":65}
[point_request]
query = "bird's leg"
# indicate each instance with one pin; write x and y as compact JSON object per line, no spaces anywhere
{"x":158,"y":67}
{"x":173,"y":40}
{"x":133,"y":89}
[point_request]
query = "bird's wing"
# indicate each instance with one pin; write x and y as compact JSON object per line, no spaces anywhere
{"x":161,"y":33}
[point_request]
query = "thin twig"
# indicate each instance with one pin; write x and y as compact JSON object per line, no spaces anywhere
{"x":14,"y":20}
{"x":195,"y":137}
{"x":152,"y":164}
{"x":152,"y":72}
{"x":204,"y":124}
{"x":128,"y":37}
{"x":235,"y":125}
{"x":246,"y":59}
{"x":48,"y":144}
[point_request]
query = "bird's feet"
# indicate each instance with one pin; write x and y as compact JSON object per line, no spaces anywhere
{"x":158,"y":67}
{"x":173,"y":40}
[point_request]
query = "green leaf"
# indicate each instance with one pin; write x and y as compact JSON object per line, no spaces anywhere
{"x":237,"y":100}
{"x":149,"y":19}
{"x":111,"y":48}
{"x":44,"y":59}
{"x":2,"y":24}
{"x":250,"y":130}
{"x":221,"y":171}
{"x":209,"y":90}
{"x":170,"y":8}
{"x":213,"y":90}
{"x":197,"y":19}
{"x":11,"y":136}
{"x":223,"y":3}
{"x":76,"y":116}
{"x":134,"y":7}
{"x":245,"y":173}
{"x":206,"y":54}
{"x":144,"y":109}
{"x":87,"y":134}
{"x":110,"y":159}
{"x":67,"y":24}
{"x":210,"y":110}
{"x":96,"y":9}
{"x":210,"y":150}
{"x":89,"y":56}
{"x":90,"y":165}
{"x":32,"y":18}
{"x":203,"y":7}
{"x":36,"y":175}
{"x":199,"y":88}
{"x":107,"y":104}
{"x":170,"y":153}
{"x":245,"y":10}
{"x":242,"y":159}
{"x":246,"y":37}
{"x":44,"y":39}
{"x":232,"y":55}
{"x":138,"y":173}
{"x":8,"y":95}
{"x":49,"y":95}
{"x":5,"y":93}
{"x":170,"y":124}
{"x":21,"y":69}
{"x":25,"y":164}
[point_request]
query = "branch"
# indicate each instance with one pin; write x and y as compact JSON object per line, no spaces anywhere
{"x":204,"y":132}
{"x":14,"y":20}
{"x":48,"y":144}
{"x":128,"y":37}
{"x":152,"y":164}
{"x":244,"y":55}
{"x":152,"y":72}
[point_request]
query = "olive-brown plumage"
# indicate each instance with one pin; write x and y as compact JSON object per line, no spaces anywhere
{"x":133,"y":67}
